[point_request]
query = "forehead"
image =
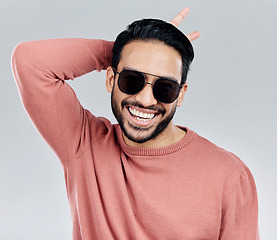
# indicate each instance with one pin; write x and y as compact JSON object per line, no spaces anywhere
{"x":151,"y":57}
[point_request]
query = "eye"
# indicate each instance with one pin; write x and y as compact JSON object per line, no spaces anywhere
{"x":130,"y":82}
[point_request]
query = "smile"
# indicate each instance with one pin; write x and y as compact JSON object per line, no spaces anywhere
{"x":140,"y":116}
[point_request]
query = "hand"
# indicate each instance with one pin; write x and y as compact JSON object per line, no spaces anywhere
{"x":179,"y":18}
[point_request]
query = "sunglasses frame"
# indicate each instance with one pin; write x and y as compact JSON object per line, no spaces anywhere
{"x":152,"y":84}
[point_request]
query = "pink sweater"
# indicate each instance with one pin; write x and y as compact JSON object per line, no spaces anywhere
{"x":189,"y":190}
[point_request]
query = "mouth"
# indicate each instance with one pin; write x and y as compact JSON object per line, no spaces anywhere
{"x":141,"y":116}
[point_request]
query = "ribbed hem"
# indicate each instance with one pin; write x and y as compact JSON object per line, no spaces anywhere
{"x":154,"y":151}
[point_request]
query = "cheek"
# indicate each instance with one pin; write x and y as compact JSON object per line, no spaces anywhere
{"x":118,"y":97}
{"x":170,"y":108}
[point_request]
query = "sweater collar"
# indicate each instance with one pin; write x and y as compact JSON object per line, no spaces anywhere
{"x":154,"y":151}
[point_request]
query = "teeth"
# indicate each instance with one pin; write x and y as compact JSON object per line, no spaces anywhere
{"x":141,"y":116}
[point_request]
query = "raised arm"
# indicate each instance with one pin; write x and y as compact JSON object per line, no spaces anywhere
{"x":40,"y":68}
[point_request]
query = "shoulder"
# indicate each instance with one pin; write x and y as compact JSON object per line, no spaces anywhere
{"x":221,"y":167}
{"x":214,"y":161}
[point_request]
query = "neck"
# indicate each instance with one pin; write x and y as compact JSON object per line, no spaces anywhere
{"x":170,"y":135}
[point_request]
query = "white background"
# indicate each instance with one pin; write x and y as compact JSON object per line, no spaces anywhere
{"x":231,"y":99}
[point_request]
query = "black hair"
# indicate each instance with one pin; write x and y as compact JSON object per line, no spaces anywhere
{"x":157,"y":30}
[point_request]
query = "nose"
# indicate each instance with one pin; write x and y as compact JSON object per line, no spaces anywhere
{"x":145,"y":96}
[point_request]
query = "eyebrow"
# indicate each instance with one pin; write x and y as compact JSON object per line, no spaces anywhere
{"x":165,"y":77}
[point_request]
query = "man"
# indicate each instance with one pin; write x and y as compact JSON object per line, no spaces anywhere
{"x":144,"y":178}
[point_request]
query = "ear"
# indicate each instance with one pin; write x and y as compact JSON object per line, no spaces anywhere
{"x":110,"y":79}
{"x":182,"y":94}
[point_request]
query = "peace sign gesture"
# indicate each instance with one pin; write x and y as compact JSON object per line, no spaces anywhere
{"x":179,"y":18}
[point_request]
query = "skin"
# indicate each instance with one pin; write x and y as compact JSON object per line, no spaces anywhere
{"x":154,"y":58}
{"x":179,"y":18}
{"x":158,"y":59}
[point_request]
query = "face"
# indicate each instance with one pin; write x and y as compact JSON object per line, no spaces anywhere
{"x":140,"y":116}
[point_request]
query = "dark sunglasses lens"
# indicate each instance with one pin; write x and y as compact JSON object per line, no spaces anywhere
{"x":130,"y":82}
{"x":165,"y":90}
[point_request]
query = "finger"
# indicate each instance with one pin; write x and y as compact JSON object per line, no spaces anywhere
{"x":194,"y":35}
{"x":180,"y":17}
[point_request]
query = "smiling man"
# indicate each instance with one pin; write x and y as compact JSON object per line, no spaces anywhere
{"x":143,"y":178}
{"x":143,"y":118}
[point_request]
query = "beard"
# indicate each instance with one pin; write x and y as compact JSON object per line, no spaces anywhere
{"x":135,"y":133}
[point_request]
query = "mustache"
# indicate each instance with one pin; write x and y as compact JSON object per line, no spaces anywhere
{"x":138,"y":104}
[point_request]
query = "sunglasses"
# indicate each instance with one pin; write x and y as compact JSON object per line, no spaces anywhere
{"x":131,"y":82}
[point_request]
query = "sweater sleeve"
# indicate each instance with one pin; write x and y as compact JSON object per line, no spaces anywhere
{"x":240,"y":210}
{"x":40,"y":69}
